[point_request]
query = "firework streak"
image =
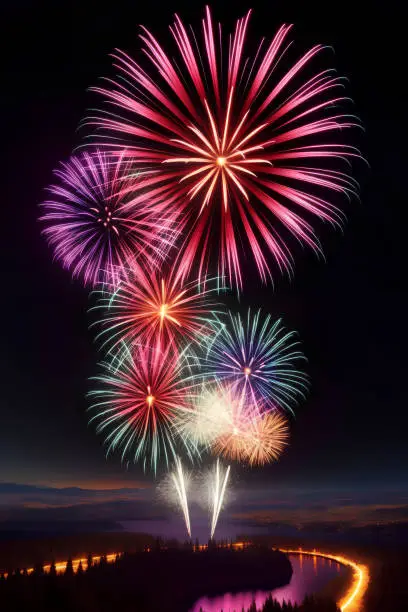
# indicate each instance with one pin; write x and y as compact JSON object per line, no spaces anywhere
{"x":218,"y":486}
{"x":179,"y":482}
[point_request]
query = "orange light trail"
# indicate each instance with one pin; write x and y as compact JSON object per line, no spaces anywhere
{"x":353,"y":599}
{"x":61,"y":566}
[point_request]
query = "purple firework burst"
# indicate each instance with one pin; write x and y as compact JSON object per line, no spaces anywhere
{"x":92,"y":225}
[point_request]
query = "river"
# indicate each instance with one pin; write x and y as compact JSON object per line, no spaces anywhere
{"x":310,"y":576}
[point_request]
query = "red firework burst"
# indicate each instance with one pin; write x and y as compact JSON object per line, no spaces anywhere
{"x":156,"y":309}
{"x":137,"y":399}
{"x":229,"y":144}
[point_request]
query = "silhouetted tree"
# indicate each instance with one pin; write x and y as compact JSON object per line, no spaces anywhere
{"x":69,"y":570}
{"x":89,"y":562}
{"x":53,"y":569}
{"x":38,"y":569}
{"x":158,"y":544}
{"x":80,"y":569}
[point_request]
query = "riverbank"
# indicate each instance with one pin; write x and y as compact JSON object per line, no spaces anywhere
{"x":163,"y":579}
{"x":225,"y":569}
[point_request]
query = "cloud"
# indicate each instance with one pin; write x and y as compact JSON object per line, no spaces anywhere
{"x":35,"y":503}
{"x":294,"y":506}
{"x":257,"y":506}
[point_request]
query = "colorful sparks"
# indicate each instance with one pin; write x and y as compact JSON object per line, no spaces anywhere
{"x":267,"y":438}
{"x":208,"y":417}
{"x":231,"y":155}
{"x":224,"y":422}
{"x":90,"y":225}
{"x":137,"y":401}
{"x":156,"y":309}
{"x":242,"y":150}
{"x":257,"y":357}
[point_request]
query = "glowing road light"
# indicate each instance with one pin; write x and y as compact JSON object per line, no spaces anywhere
{"x":353,"y":600}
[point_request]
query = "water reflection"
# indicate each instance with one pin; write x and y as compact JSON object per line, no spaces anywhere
{"x":310,"y":575}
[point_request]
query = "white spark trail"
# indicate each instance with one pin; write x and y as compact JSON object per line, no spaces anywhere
{"x":218,"y":491}
{"x":180,"y":486}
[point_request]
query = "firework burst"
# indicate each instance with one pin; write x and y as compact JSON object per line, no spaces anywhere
{"x":267,"y":438}
{"x":91,"y":228}
{"x":236,"y":428}
{"x":251,"y":437}
{"x":156,"y":309}
{"x":225,"y":422}
{"x":213,"y":410}
{"x":257,"y":358}
{"x":137,"y":400}
{"x":242,"y":150}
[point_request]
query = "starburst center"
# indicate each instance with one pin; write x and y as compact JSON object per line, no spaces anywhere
{"x":149,"y":397}
{"x":221,"y":161}
{"x":163,"y":311}
{"x":247,"y":371}
{"x":105,"y":217}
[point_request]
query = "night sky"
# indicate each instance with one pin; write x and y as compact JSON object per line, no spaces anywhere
{"x":349,"y":310}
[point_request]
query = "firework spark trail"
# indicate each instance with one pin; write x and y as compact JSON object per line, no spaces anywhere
{"x":219,"y":486}
{"x":247,"y":160}
{"x":179,"y":481}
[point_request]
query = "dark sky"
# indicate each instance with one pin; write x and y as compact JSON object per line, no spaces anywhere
{"x":350,"y":310}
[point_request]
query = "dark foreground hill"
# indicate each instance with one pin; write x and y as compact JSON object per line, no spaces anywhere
{"x":166,"y":580}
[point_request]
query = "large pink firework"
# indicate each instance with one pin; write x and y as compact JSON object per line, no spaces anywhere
{"x":90,"y":226}
{"x":235,"y":146}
